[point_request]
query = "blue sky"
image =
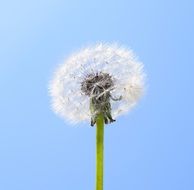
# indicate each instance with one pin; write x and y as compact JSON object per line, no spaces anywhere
{"x":151,"y":148}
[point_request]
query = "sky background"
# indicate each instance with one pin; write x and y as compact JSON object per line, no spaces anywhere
{"x":151,"y":148}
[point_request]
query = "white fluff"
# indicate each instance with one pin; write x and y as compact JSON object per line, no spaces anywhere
{"x":119,"y":62}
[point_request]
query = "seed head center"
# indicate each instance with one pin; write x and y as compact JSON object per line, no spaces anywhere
{"x":95,"y":84}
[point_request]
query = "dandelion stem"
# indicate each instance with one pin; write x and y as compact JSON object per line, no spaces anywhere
{"x":99,"y":151}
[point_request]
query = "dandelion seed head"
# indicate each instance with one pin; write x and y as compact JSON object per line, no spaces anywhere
{"x":93,"y":71}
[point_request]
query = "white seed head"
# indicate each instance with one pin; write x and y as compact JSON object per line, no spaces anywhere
{"x":120,"y":67}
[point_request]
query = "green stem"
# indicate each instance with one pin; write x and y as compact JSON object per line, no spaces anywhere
{"x":99,"y":151}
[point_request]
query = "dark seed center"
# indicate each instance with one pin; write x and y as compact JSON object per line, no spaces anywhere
{"x":96,"y":83}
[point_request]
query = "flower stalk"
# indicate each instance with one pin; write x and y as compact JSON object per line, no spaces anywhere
{"x":99,"y":151}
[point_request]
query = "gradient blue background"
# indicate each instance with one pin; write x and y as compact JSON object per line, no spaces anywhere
{"x":152,"y":148}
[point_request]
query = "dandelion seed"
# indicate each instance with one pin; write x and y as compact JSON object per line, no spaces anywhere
{"x":96,"y":77}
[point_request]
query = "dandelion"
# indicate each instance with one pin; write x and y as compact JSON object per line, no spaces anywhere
{"x":97,"y":84}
